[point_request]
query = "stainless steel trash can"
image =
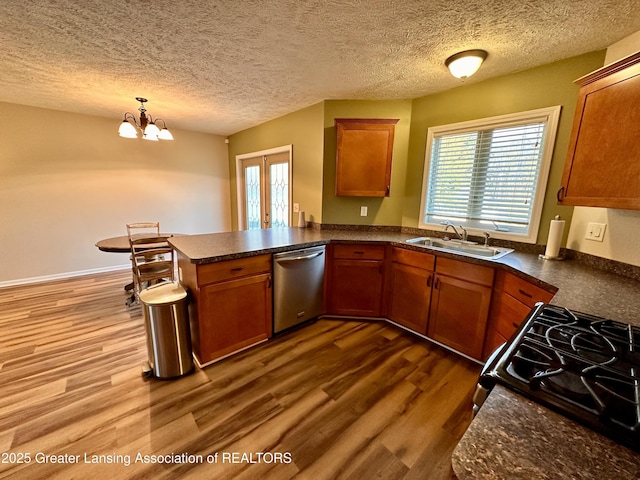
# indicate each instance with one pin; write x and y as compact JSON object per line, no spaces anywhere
{"x":166,"y":317}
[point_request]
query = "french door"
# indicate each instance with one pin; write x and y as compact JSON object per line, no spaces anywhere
{"x":264,"y":189}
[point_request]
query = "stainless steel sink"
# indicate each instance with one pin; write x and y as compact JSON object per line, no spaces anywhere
{"x":469,"y":249}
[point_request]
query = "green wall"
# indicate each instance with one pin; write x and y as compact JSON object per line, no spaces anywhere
{"x":313,"y":135}
{"x":381,"y":211}
{"x":303,"y":130}
{"x":540,"y":87}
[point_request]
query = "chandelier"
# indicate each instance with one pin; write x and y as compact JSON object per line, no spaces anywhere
{"x":147,"y":125}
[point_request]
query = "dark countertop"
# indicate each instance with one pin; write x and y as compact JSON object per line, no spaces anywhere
{"x":511,"y":437}
{"x":579,"y":287}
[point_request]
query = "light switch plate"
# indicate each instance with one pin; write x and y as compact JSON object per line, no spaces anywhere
{"x":296,"y":207}
{"x":363,"y":211}
{"x":595,"y":231}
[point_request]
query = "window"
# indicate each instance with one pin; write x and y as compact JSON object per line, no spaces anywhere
{"x":490,"y":174}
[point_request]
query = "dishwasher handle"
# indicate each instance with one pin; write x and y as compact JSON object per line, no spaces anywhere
{"x":302,"y":257}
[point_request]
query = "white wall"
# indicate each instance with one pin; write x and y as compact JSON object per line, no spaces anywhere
{"x":623,"y":226}
{"x":68,"y":180}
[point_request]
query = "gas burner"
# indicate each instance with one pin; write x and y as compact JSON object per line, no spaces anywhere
{"x":583,"y":343}
{"x":583,"y":366}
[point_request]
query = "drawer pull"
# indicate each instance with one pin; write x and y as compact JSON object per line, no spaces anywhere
{"x":525,"y":293}
{"x":358,"y":252}
{"x":237,"y":269}
{"x":429,"y":281}
{"x":515,"y":325}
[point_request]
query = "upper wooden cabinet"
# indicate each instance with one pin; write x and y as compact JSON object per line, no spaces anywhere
{"x":363,"y":157}
{"x":603,"y":162}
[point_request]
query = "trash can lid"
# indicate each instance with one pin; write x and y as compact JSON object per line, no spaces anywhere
{"x":169,"y":292}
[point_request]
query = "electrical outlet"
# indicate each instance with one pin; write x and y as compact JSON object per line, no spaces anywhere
{"x":363,"y":211}
{"x":296,"y":207}
{"x":595,"y":231}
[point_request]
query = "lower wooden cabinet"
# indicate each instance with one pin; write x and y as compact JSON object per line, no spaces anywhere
{"x":513,"y":299}
{"x":506,"y":315}
{"x":449,"y":301}
{"x":231,"y":305}
{"x":460,"y":305}
{"x":355,"y":280}
{"x":238,"y":314}
{"x":409,"y":288}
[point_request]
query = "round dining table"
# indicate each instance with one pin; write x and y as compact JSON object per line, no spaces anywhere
{"x":121,"y":244}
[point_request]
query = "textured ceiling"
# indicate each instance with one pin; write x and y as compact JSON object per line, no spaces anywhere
{"x":222,"y":66}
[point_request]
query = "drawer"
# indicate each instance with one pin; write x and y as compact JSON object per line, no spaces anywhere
{"x":465,"y":271}
{"x":355,"y":251}
{"x":522,"y":290}
{"x":230,"y":269}
{"x":508,"y":313}
{"x":426,"y":261}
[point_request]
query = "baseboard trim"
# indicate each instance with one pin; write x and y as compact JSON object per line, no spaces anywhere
{"x":61,"y":276}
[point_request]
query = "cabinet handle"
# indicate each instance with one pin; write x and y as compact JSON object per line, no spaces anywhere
{"x":269,"y":282}
{"x":237,"y":269}
{"x":388,"y":190}
{"x":560,"y":194}
{"x":437,"y":284}
{"x":525,"y":293}
{"x":429,"y":280}
{"x":515,"y":324}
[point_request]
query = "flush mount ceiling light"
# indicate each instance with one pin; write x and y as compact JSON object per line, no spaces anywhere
{"x":464,"y":64}
{"x":147,"y":125}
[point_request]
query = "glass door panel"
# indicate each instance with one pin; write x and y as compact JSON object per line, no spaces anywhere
{"x":266,"y":191}
{"x":279,"y":194}
{"x":253,"y":204}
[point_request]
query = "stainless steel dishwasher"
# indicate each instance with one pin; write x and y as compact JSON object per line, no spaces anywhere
{"x":298,"y":286}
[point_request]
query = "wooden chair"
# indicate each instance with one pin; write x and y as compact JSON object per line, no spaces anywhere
{"x":152,"y":258}
{"x":146,"y":229}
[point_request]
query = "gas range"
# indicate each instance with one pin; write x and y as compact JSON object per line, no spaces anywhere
{"x":585,"y":367}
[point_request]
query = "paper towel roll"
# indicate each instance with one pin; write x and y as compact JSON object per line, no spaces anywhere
{"x":301,"y":221}
{"x":556,"y":229}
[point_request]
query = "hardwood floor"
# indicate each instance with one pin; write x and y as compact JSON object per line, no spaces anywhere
{"x":336,"y":399}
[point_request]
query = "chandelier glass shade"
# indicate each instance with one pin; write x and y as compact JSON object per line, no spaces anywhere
{"x":130,"y":127}
{"x":464,"y":64}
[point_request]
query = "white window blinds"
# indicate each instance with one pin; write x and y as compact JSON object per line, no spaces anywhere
{"x":487,"y":176}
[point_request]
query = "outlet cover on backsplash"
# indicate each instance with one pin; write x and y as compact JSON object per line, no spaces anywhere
{"x":595,"y":231}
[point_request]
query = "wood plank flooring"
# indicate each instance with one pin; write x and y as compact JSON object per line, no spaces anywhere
{"x":335,"y":399}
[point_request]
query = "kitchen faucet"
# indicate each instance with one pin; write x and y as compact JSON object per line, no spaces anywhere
{"x":462,"y":236}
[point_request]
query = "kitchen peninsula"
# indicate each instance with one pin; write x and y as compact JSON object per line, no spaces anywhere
{"x":487,"y":449}
{"x":579,"y":286}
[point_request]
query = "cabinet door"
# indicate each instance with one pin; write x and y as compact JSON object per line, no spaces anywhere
{"x":234,"y":315}
{"x":602,"y":167}
{"x":459,"y":312}
{"x":410,"y":296}
{"x":355,"y":287}
{"x":363,"y":157}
